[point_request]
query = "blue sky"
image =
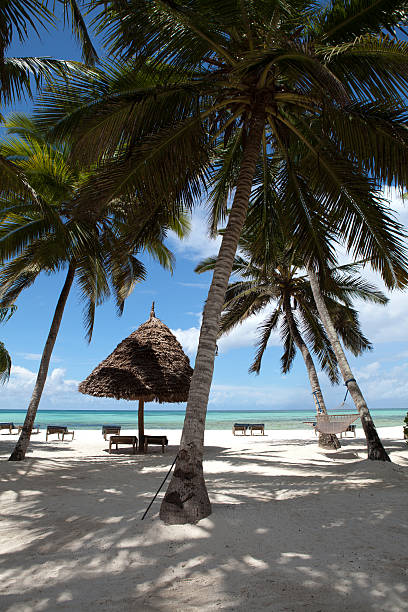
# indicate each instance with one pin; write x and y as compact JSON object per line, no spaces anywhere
{"x":382,"y":373}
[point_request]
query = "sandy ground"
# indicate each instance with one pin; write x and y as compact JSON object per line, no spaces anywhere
{"x":293,"y":528}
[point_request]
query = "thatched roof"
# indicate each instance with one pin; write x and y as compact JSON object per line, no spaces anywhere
{"x":149,"y":365}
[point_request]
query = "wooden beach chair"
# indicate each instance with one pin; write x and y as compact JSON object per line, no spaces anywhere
{"x":122,"y":440}
{"x":242,"y":427}
{"x":160,"y":440}
{"x":60,"y":430}
{"x":257,"y":427}
{"x":110,"y":430}
{"x":8,"y":426}
{"x":35,"y":427}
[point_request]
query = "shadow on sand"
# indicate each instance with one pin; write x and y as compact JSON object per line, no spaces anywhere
{"x":323,"y":534}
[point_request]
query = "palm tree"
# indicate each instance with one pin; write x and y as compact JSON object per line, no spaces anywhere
{"x":374,"y":446}
{"x":42,"y":235}
{"x":268,"y":81}
{"x":22,"y":18}
{"x":277,"y":279}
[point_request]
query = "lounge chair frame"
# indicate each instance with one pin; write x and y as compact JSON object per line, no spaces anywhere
{"x":123,"y":440}
{"x":159,"y":440}
{"x":60,"y":430}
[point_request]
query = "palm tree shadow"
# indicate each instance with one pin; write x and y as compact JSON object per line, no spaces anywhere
{"x":312,"y":531}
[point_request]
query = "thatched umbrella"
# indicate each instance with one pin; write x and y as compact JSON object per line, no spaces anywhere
{"x":149,"y":365}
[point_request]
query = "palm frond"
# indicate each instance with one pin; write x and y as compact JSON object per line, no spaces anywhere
{"x":265,"y":330}
{"x":5,"y":364}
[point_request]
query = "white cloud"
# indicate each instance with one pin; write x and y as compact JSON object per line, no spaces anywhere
{"x":58,"y":389}
{"x":36,"y":357}
{"x":242,"y":335}
{"x":386,"y":383}
{"x":196,"y":285}
{"x":30,"y":356}
{"x":21,"y":378}
{"x":368,"y":371}
{"x":385,"y":324}
{"x":188,"y":339}
{"x":198,"y":244}
{"x":270,"y":396}
{"x":380,"y":381}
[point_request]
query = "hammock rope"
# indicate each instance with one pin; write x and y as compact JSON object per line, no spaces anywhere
{"x":334,"y":423}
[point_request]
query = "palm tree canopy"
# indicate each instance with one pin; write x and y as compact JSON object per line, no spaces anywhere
{"x":278,"y":279}
{"x":41,"y":235}
{"x":20,"y":19}
{"x":170,"y":118}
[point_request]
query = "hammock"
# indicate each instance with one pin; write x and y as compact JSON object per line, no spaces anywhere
{"x":334,"y":423}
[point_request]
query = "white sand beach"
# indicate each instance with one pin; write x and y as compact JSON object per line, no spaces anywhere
{"x":294,"y":527}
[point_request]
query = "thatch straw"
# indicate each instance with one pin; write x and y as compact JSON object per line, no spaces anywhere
{"x":148,"y":365}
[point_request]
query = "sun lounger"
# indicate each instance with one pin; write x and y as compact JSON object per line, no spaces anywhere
{"x":123,"y":440}
{"x":58,"y":429}
{"x":35,"y":427}
{"x":9,"y":426}
{"x":243,"y":427}
{"x":160,"y":440}
{"x":257,"y":427}
{"x":110,"y":429}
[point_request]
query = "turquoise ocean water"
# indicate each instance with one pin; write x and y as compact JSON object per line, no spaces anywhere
{"x":173,"y":419}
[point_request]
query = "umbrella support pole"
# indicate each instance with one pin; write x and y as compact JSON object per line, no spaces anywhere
{"x":140,"y":419}
{"x":160,"y":488}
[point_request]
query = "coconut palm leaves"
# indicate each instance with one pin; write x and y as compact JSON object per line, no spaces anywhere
{"x":5,"y":359}
{"x":281,"y":282}
{"x":167,"y":118}
{"x":19,"y":19}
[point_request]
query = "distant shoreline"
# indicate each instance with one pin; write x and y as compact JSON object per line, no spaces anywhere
{"x":274,"y":420}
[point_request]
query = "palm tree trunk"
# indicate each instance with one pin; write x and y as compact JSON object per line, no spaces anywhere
{"x":329,"y":441}
{"x":186,"y":499}
{"x":375,"y":448}
{"x":20,"y":449}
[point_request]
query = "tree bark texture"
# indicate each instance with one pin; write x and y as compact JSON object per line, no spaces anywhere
{"x":375,"y":449}
{"x":328,"y":441}
{"x":20,"y":449}
{"x":186,"y":499}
